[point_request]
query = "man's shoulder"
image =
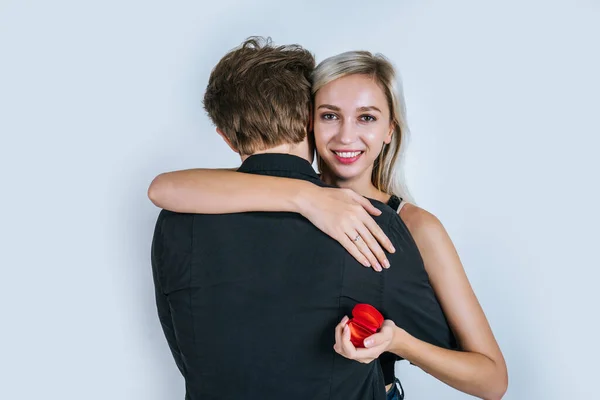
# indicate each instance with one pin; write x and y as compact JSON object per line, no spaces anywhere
{"x":388,"y":216}
{"x":173,"y":215}
{"x":170,"y":223}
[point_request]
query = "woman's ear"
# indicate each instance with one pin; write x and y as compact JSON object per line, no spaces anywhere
{"x":226,"y":139}
{"x":388,"y":137}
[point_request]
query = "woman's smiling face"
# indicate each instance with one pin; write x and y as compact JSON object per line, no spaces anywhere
{"x":352,"y":122}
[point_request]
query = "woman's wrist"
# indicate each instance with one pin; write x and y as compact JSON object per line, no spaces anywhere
{"x":302,"y":196}
{"x":400,"y":342}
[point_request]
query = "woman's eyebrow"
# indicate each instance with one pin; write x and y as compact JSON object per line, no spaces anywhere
{"x":329,"y":106}
{"x":361,"y":109}
{"x":368,"y":108}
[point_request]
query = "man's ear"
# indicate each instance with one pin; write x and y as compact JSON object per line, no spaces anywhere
{"x":222,"y":134}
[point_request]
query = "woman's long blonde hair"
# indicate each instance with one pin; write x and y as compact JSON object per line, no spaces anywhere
{"x":388,"y":175}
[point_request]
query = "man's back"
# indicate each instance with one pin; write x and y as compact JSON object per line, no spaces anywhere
{"x":249,"y":301}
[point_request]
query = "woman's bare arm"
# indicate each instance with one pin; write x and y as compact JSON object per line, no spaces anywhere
{"x":340,"y":213}
{"x":222,"y":191}
{"x":478,"y":369}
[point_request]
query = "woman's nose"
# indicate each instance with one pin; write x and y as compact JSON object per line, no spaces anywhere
{"x":347,"y":134}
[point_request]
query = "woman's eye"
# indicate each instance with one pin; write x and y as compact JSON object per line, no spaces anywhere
{"x":367,"y":118}
{"x":328,"y":116}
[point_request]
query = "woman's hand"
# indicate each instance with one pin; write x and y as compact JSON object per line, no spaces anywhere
{"x":344,"y":215}
{"x":374,"y":345}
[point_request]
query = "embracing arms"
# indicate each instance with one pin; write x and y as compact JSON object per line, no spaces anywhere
{"x":340,"y":213}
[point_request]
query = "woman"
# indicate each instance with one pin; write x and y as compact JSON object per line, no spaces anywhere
{"x":359,"y":127}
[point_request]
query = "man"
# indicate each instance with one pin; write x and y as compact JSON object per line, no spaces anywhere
{"x":249,"y":301}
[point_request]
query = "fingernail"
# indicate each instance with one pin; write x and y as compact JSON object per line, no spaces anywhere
{"x":386,"y":263}
{"x":378,"y":267}
{"x":368,"y":342}
{"x":393,"y":248}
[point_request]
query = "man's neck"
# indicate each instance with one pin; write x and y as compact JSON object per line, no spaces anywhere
{"x":302,"y":150}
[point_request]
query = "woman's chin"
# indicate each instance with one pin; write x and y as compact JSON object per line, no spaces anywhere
{"x":346,"y":173}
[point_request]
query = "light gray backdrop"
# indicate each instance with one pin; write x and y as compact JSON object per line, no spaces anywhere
{"x":97,"y":97}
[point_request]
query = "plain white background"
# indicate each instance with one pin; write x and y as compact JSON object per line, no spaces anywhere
{"x":98,"y":97}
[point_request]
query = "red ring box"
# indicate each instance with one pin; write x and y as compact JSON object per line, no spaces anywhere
{"x":365,"y":321}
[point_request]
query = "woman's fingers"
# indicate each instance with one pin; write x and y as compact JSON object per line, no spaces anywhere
{"x":354,"y":250}
{"x":372,"y":225}
{"x":374,"y":247}
{"x":345,"y":348}
{"x":375,"y":340}
{"x":363,"y":247}
{"x":378,"y":233}
{"x":367,"y":205}
{"x":366,"y":355}
{"x":338,"y":334}
{"x":348,"y":348}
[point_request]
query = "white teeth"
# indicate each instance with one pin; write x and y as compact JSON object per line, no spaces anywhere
{"x":347,"y":154}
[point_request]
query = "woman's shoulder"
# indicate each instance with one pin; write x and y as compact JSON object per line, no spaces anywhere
{"x":420,"y":222}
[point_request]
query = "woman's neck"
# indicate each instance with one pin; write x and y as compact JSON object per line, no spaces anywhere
{"x":361,"y":185}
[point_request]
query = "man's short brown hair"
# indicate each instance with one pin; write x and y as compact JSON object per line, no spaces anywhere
{"x":259,"y":95}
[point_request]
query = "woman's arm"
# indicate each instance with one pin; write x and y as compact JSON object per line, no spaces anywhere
{"x":479,"y":369}
{"x":221,"y":191}
{"x":340,"y":213}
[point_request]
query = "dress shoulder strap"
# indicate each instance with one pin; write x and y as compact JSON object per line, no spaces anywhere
{"x":396,"y":203}
{"x":402,"y":204}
